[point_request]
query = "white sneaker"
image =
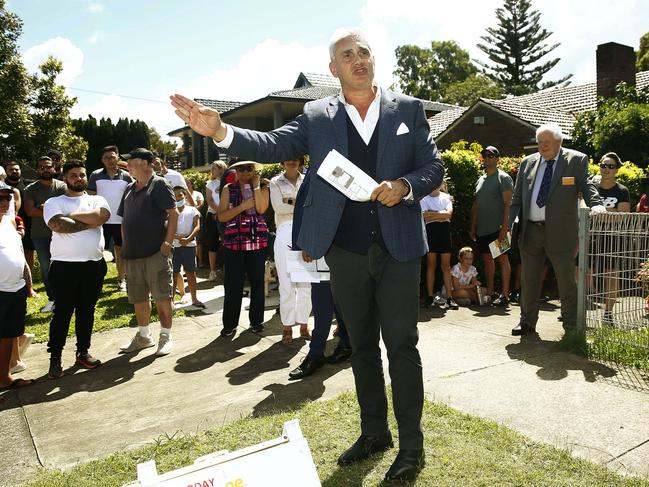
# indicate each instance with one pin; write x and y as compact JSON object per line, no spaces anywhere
{"x":20,"y":367}
{"x":48,"y":308}
{"x":439,"y":301}
{"x":138,"y":343}
{"x":164,"y":345}
{"x":212,"y":276}
{"x":122,"y":286}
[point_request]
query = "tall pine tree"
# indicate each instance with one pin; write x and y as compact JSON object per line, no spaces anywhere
{"x":514,"y":48}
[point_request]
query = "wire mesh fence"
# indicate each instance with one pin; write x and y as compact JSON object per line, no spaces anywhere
{"x":613,"y":305}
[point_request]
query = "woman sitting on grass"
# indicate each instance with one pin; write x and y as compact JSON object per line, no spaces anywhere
{"x":464,"y":276}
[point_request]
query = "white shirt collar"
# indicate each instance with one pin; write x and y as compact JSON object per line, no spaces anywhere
{"x":341,"y":95}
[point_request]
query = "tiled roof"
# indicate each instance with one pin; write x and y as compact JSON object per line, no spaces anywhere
{"x":318,"y":79}
{"x":556,"y":105}
{"x":311,"y":93}
{"x":220,"y":105}
{"x":536,"y":115}
{"x":441,"y":120}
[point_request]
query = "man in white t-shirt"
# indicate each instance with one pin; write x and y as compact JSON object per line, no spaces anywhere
{"x":111,"y":182}
{"x":78,"y":268}
{"x":174,"y":177}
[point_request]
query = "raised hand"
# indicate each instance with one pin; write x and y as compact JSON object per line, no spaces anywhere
{"x":203,"y":120}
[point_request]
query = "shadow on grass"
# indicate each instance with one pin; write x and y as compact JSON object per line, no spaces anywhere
{"x":113,"y":372}
{"x":552,"y":363}
{"x":355,"y":474}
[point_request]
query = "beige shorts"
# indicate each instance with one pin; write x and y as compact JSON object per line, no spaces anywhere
{"x":149,"y":276}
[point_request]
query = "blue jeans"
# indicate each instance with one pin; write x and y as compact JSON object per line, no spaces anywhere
{"x":323,"y":311}
{"x":42,"y":247}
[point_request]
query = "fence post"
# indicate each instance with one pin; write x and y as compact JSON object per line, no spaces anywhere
{"x":582,"y":284}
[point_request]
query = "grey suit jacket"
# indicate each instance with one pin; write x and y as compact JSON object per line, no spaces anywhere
{"x":322,"y":127}
{"x":569,"y":178}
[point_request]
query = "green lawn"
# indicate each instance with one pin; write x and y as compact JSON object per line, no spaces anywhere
{"x":462,"y":450}
{"x":113,"y":309}
{"x":628,"y":347}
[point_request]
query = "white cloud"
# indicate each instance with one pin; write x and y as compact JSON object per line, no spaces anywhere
{"x":95,"y":8}
{"x":269,"y":66}
{"x":96,"y":37}
{"x":62,"y":49}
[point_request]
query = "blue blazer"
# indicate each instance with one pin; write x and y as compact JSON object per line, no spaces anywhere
{"x":322,"y":127}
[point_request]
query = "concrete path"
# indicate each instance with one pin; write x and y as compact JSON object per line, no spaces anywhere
{"x":471,"y":362}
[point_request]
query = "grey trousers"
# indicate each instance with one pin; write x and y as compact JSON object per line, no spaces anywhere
{"x":378,"y":295}
{"x":533,"y":250}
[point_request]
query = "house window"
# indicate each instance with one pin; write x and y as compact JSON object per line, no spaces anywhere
{"x":478,"y":120}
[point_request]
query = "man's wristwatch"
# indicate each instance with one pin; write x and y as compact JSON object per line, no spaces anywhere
{"x":166,"y":243}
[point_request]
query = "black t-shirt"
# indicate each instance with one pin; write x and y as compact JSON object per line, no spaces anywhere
{"x":613,"y":196}
{"x":144,"y":217}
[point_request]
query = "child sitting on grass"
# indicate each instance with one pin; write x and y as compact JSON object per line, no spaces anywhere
{"x":465,"y":282}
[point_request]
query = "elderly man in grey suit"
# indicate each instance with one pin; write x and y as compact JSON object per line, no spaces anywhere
{"x":546,"y":200}
{"x":373,"y":248}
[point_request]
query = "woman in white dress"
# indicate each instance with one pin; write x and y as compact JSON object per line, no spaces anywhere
{"x":294,"y":298}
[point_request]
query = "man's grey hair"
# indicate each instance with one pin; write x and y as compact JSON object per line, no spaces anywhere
{"x":343,"y":33}
{"x":551,"y":128}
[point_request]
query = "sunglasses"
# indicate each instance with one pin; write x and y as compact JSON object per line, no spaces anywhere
{"x":245,"y":169}
{"x":489,"y":156}
{"x":6,"y":198}
{"x":608,"y":166}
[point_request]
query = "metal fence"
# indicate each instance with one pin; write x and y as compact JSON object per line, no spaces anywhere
{"x":613,"y":281}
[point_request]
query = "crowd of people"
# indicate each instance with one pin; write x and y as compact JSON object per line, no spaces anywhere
{"x":149,"y":216}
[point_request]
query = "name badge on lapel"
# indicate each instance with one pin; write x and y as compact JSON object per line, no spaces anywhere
{"x":568,"y":181}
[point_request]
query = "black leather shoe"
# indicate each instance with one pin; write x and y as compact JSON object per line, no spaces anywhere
{"x":305,"y":369}
{"x":339,"y":355}
{"x":364,"y":447}
{"x":523,"y":329}
{"x":406,"y":466}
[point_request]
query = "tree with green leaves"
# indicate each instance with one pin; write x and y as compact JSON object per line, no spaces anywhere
{"x":427,"y":73}
{"x":15,"y":121}
{"x":620,"y":124}
{"x":642,"y":56}
{"x":164,"y":148}
{"x":51,"y":114}
{"x":515,"y":49}
{"x":466,"y":93}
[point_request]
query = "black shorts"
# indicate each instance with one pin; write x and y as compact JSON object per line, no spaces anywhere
{"x":438,"y":235}
{"x":210,"y":233}
{"x":112,"y":231}
{"x":483,"y":242}
{"x":13,"y":309}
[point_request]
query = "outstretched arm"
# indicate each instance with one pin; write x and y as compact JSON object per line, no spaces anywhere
{"x":204,"y":120}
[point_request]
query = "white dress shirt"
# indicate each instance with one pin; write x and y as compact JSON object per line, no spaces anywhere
{"x":281,"y":190}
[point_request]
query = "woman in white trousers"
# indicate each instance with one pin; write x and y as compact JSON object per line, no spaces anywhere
{"x":294,"y":298}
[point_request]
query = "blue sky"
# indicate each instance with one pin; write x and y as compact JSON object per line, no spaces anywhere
{"x":243,"y":50}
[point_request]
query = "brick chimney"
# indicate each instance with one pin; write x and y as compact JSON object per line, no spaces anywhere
{"x":615,"y":63}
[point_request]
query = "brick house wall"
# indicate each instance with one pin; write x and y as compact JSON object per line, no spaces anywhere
{"x":508,"y":134}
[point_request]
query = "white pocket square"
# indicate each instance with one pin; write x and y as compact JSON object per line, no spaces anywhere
{"x":403,"y":129}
